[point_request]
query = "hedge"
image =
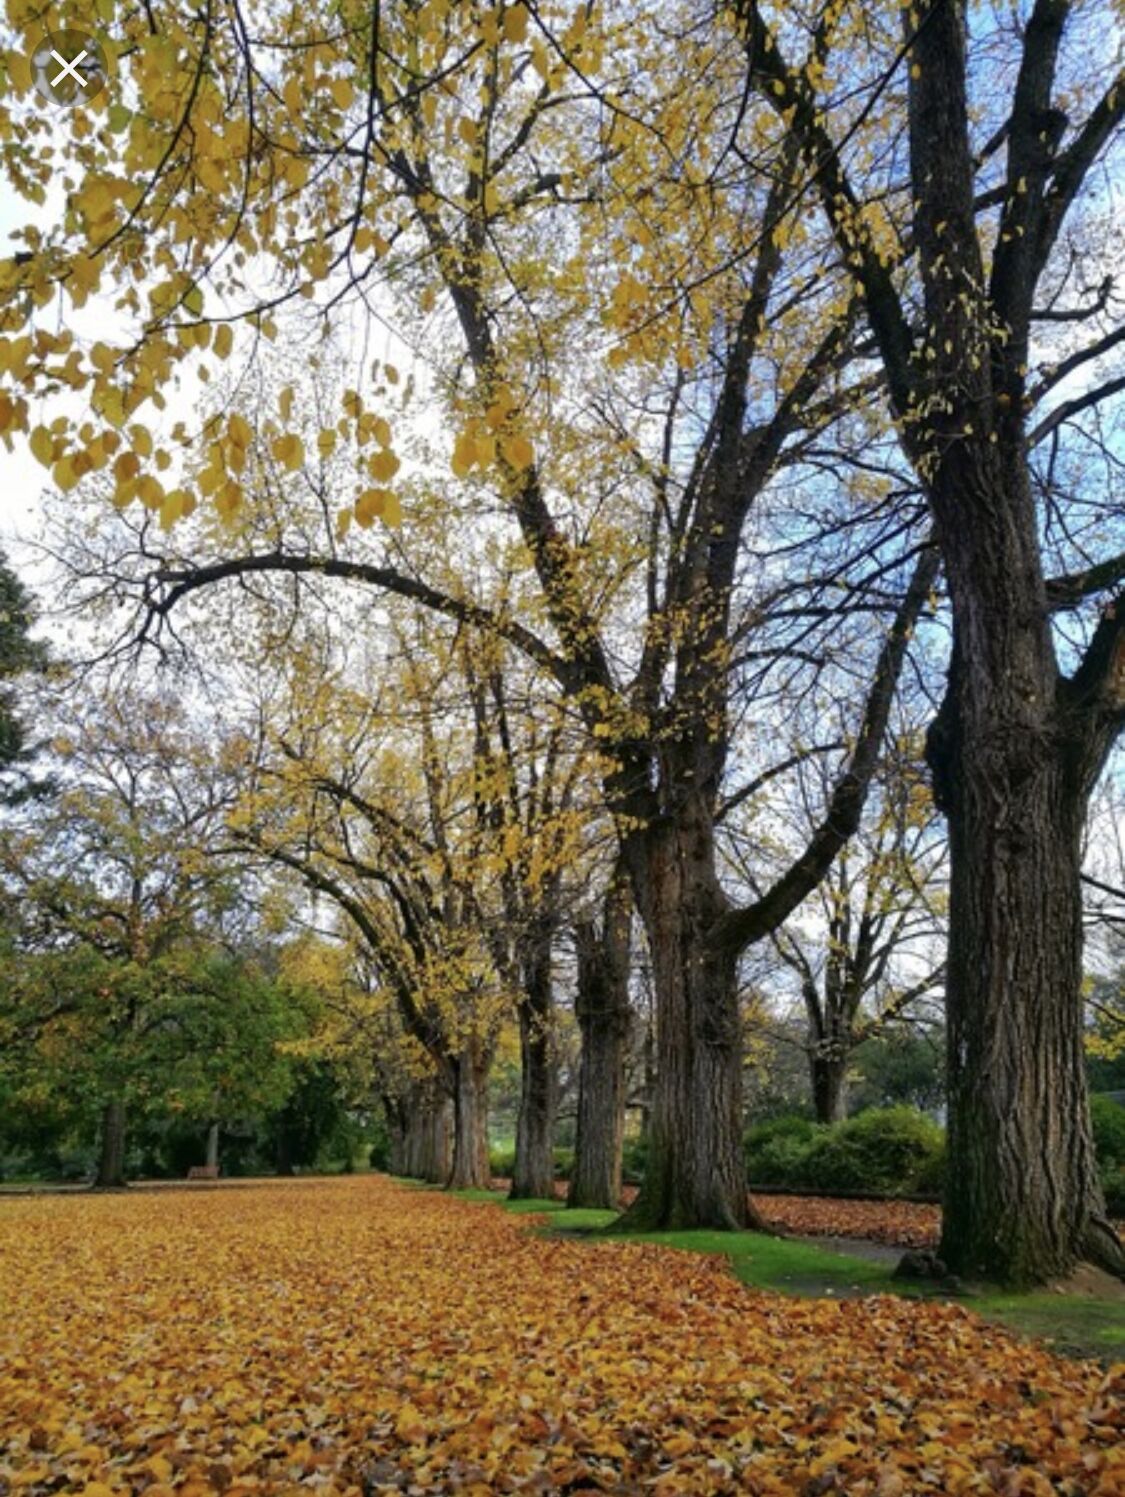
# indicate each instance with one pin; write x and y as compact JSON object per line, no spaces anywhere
{"x":892,"y":1150}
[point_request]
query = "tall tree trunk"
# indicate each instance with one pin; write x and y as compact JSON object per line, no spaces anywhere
{"x":648,"y":1078}
{"x":111,"y":1157}
{"x":394,"y":1109}
{"x":470,"y":1118}
{"x":695,"y":1175}
{"x":534,"y":1175}
{"x":283,"y":1153}
{"x":432,"y":1139}
{"x":1023,"y":1202}
{"x":605,"y":1021}
{"x":1016,"y":748}
{"x":212,"y":1159}
{"x":828,"y":1072}
{"x":421,"y":1126}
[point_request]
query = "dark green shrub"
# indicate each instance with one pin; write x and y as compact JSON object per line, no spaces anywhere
{"x":777,"y":1151}
{"x":634,"y":1158}
{"x":930,"y":1180}
{"x":887,"y":1149}
{"x":1108,"y":1119}
{"x":502,"y":1163}
{"x":790,"y":1125}
{"x":1113,"y":1183}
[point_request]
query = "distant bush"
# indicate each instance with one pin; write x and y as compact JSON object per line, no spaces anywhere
{"x":1113,"y":1184}
{"x":885,"y":1149}
{"x":776,"y":1151}
{"x":634,"y":1158}
{"x":1108,"y":1119}
{"x":890,"y":1150}
{"x":502,"y":1163}
{"x":931,"y":1175}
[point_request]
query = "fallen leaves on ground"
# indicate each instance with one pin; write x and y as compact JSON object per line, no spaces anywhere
{"x":362,"y":1337}
{"x":909,"y":1224}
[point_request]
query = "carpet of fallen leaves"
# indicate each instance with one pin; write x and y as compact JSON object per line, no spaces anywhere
{"x":362,"y":1337}
{"x":896,"y":1223}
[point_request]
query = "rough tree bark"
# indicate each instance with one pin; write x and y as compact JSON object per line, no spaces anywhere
{"x":533,"y":1177}
{"x":1023,"y":1201}
{"x":212,"y":1157}
{"x":828,"y":1071}
{"x":111,"y":1155}
{"x":421,"y":1127}
{"x":1017,"y":746}
{"x":695,"y":1175}
{"x":470,"y":1118}
{"x":605,"y":1018}
{"x":1023,"y":1198}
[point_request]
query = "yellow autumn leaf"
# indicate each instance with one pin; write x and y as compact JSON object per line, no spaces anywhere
{"x":464,"y":455}
{"x":517,"y":451}
{"x":369,"y":506}
{"x":383,"y":465}
{"x":410,"y":1424}
{"x":42,"y":445}
{"x":150,"y":492}
{"x":18,"y":67}
{"x":289,"y":450}
{"x":515,"y":23}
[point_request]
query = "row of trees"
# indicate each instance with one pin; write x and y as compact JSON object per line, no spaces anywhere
{"x":769,"y":345}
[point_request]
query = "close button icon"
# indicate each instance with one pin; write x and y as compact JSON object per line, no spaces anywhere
{"x":69,"y":68}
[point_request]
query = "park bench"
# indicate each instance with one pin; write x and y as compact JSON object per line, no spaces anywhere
{"x":203,"y":1172}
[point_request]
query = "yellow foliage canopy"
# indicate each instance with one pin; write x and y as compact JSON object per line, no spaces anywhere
{"x":354,"y":1335}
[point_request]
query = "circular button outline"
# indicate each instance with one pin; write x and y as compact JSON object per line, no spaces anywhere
{"x":65,"y":64}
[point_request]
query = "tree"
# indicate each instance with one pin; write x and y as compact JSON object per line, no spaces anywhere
{"x":192,"y":1036}
{"x":19,"y":653}
{"x":605,"y":1018}
{"x":728,"y":360}
{"x":117,"y":863}
{"x":999,"y":155}
{"x":877,"y":918}
{"x":398,"y":846}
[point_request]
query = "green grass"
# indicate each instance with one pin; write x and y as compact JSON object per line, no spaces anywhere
{"x":1070,"y":1324}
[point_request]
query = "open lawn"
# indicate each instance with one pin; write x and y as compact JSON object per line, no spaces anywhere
{"x":355,"y":1335}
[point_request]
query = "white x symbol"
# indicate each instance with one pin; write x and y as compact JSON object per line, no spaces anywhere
{"x":68,"y":70}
